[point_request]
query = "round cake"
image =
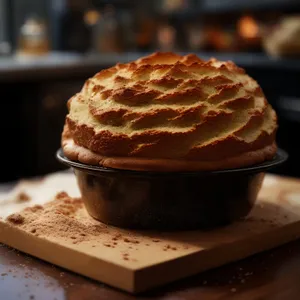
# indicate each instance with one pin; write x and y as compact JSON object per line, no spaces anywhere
{"x":166,"y":112}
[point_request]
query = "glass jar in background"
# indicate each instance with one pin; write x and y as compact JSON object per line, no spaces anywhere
{"x":175,"y":5}
{"x":107,"y":36}
{"x":166,"y":37}
{"x":249,"y":31}
{"x":222,"y":38}
{"x":91,"y":19}
{"x":196,"y":38}
{"x":145,"y":31}
{"x":33,"y":37}
{"x":126,"y":19}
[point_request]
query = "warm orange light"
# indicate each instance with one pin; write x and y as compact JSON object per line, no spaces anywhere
{"x":91,"y":17}
{"x":248,"y":27}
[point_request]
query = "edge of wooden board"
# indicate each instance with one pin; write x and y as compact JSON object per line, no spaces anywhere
{"x":197,"y":262}
{"x":68,"y":258}
{"x":140,"y":280}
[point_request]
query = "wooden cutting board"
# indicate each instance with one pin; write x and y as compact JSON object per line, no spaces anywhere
{"x":136,"y":261}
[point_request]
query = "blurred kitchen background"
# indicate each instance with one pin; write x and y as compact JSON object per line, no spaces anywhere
{"x":49,"y":47}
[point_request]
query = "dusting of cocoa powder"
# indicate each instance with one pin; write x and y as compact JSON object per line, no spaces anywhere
{"x":60,"y":218}
{"x":65,"y":220}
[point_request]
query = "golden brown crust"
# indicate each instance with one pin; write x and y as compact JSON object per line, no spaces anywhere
{"x":168,"y":109}
{"x":83,"y":155}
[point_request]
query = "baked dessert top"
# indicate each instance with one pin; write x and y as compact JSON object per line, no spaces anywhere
{"x":167,"y":112}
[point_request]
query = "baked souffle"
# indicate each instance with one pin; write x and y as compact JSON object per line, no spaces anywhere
{"x":166,"y":112}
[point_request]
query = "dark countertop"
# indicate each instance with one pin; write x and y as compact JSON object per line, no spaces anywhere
{"x":271,"y":275}
{"x":69,"y":64}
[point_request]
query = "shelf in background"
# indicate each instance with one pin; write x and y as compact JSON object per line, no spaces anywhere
{"x":232,"y":6}
{"x":237,"y":5}
{"x":60,"y":64}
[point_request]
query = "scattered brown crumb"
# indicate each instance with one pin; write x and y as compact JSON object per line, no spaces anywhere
{"x":125,"y":256}
{"x":127,"y":240}
{"x":23,"y":197}
{"x":167,"y":247}
{"x":155,"y":240}
{"x":16,"y":219}
{"x":62,"y":195}
{"x":4,"y":274}
{"x":116,"y":237}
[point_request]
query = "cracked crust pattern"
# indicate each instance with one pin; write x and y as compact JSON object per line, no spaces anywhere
{"x":170,"y":112}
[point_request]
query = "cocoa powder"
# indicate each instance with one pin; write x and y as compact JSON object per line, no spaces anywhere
{"x":65,"y":220}
{"x":58,"y":218}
